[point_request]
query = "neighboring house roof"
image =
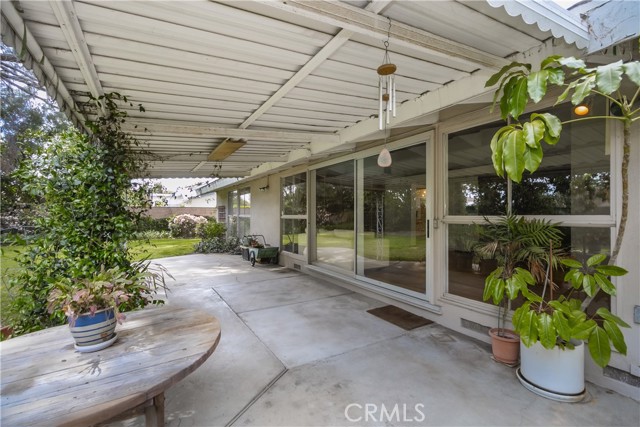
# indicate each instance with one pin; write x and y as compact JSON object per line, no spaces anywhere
{"x":297,"y":79}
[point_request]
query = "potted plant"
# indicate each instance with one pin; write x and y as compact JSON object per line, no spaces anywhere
{"x":92,"y":305}
{"x":554,"y":327}
{"x":518,"y":247}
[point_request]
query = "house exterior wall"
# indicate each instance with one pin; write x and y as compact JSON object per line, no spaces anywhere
{"x":472,"y":318}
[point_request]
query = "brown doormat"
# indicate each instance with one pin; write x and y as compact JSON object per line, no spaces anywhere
{"x":399,"y":317}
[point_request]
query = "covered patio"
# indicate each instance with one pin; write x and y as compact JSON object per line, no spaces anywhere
{"x":300,"y":351}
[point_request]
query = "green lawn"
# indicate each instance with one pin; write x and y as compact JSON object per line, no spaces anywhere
{"x":158,"y":248}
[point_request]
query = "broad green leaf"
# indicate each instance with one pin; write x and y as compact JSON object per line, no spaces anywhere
{"x":604,"y":283}
{"x":488,"y":289}
{"x":518,"y":98}
{"x":546,"y":331}
{"x":606,"y":314}
{"x":632,"y":70}
{"x":528,"y":328}
{"x":537,"y":85}
{"x":556,"y":76}
{"x":497,"y":143}
{"x":513,"y":155}
{"x":496,"y":77}
{"x":532,"y":158}
{"x":564,"y":94}
{"x":498,"y":291}
{"x":530,"y":295}
{"x":553,"y":124}
{"x":512,"y":287}
{"x":589,"y":285}
{"x":525,"y":275}
{"x":583,"y":89}
{"x":599,"y":346}
{"x":557,"y":305}
{"x":608,"y":77}
{"x":549,"y":60}
{"x":533,"y":133}
{"x":505,"y":101}
{"x":596,"y":259}
{"x":517,"y":315}
{"x":562,"y":325}
{"x":572,"y":62}
{"x":611,"y":270}
{"x":616,"y":337}
{"x":582,"y":330}
{"x":570,"y":262}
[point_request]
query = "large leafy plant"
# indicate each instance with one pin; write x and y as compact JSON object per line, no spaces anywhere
{"x":559,"y":321}
{"x":518,"y":146}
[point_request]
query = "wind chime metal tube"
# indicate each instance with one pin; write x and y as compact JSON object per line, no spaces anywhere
{"x":386,"y":99}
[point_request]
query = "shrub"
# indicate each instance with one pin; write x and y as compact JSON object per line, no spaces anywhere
{"x":219,"y":245}
{"x":147,"y":223}
{"x":185,"y":225}
{"x":210,"y":229}
{"x":152,"y":234}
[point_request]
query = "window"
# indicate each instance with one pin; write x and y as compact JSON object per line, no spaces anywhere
{"x":573,"y":182}
{"x":335,"y":243}
{"x":293,"y":217}
{"x":239,"y":213}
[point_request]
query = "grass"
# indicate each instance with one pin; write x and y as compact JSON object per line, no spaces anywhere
{"x":157,"y":248}
{"x":162,"y":248}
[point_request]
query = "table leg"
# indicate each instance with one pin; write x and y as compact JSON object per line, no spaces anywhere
{"x":154,"y":414}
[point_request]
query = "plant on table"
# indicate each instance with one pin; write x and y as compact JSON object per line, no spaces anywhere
{"x":107,"y":289}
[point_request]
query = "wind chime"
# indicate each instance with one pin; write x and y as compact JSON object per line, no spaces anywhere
{"x":386,"y":98}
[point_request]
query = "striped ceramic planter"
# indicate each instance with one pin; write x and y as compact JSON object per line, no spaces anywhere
{"x":90,"y":330}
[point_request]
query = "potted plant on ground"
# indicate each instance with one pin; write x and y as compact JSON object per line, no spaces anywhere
{"x":553,"y":327}
{"x":518,"y":246}
{"x":92,"y":305}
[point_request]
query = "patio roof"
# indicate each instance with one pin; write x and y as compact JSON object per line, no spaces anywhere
{"x":296,"y":80}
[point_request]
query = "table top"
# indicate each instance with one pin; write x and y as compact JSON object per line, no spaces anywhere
{"x":45,"y":381}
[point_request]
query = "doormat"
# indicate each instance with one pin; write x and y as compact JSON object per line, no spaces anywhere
{"x":399,"y":317}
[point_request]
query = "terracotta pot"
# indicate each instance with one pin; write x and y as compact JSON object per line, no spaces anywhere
{"x":505,"y":345}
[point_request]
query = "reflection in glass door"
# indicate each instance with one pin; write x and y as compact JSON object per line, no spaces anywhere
{"x":392,"y":221}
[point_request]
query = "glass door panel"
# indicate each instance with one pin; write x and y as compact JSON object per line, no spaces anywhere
{"x":335,"y":244}
{"x":392,"y":235}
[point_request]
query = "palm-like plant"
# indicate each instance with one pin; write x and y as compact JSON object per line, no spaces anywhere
{"x":521,"y":247}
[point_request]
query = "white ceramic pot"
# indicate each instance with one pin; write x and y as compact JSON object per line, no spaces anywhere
{"x":557,"y":373}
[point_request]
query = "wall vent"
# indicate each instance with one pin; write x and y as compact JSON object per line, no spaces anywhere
{"x":297,"y":266}
{"x":476,"y":327}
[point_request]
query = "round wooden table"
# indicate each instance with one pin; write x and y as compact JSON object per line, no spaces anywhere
{"x":45,"y":381}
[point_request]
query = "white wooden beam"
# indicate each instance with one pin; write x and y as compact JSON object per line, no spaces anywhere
{"x":70,"y":25}
{"x":24,"y":38}
{"x":329,"y":49}
{"x":371,"y":24}
{"x":149,"y":128}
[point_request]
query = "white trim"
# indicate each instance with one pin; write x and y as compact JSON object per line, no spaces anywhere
{"x":548,"y":16}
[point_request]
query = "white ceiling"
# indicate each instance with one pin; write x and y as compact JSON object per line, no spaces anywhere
{"x":295,"y":79}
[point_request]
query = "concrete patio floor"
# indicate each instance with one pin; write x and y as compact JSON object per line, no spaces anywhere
{"x":298,"y":351}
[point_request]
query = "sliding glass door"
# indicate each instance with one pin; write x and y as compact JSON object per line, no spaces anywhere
{"x":392,"y":224}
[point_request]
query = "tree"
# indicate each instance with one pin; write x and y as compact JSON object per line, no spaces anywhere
{"x":518,"y":146}
{"x":24,"y":109}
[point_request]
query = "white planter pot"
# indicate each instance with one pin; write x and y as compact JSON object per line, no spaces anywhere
{"x":556,"y":374}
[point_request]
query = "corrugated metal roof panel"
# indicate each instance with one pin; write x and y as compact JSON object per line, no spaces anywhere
{"x":204,"y":66}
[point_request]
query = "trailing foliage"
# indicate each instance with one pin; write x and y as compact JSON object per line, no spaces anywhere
{"x":84,"y":221}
